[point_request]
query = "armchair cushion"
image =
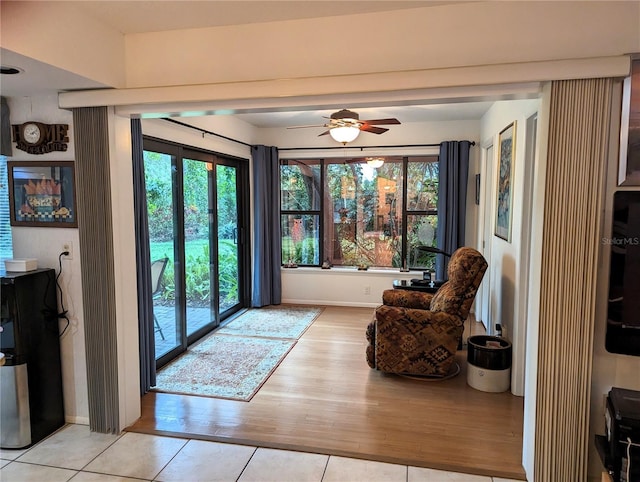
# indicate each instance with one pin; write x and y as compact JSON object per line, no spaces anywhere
{"x":413,"y":341}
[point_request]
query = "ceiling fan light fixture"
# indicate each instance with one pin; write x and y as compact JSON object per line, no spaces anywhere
{"x":344,"y":134}
{"x":10,"y":70}
{"x":375,"y":162}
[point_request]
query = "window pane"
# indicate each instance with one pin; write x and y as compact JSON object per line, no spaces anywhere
{"x":422,"y":184}
{"x":300,"y":235}
{"x":421,"y":231}
{"x":228,"y":249}
{"x":197,"y":246}
{"x":363,"y":214}
{"x":159,"y":174}
{"x":300,"y":185}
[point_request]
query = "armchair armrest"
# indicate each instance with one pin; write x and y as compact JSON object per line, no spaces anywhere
{"x":407,"y":299}
{"x":414,"y":319}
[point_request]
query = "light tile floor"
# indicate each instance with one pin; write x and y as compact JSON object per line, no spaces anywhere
{"x":74,"y":453}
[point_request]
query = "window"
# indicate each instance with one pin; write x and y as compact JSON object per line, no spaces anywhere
{"x":350,"y":214}
{"x":6,"y":245}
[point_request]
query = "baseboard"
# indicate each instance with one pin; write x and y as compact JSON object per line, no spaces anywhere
{"x":77,"y":420}
{"x":355,"y":304}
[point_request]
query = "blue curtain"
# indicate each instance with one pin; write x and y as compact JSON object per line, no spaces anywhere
{"x":267,"y":286}
{"x":146,"y":335}
{"x":453,"y":165}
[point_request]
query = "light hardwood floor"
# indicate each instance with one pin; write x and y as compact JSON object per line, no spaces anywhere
{"x":324,"y":398}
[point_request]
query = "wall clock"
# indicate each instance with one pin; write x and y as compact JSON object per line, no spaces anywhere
{"x":40,"y":138}
{"x":32,"y":133}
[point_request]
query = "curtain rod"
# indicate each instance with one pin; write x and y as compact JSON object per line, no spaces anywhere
{"x":204,"y":131}
{"x":472,"y":143}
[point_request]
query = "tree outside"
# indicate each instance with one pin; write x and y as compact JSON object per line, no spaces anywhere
{"x":159,"y":178}
{"x":363,"y":212}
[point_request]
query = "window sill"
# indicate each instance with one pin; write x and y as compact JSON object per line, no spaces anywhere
{"x":390,"y":272}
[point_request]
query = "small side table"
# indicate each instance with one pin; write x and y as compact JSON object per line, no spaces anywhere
{"x":403,"y":284}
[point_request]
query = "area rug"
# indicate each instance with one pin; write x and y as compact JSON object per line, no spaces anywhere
{"x":224,"y":366}
{"x":274,"y":321}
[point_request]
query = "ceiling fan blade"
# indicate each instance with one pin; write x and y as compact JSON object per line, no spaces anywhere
{"x":373,"y":129}
{"x":378,"y":122}
{"x":304,"y":127}
{"x":355,"y":160}
{"x":323,"y":134}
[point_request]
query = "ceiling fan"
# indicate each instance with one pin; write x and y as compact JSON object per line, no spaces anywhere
{"x":345,"y":125}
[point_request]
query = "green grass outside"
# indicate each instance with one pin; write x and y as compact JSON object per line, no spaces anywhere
{"x":164,"y":249}
{"x":192,"y":248}
{"x":197,"y":260}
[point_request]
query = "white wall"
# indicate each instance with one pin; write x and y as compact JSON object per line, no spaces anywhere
{"x":452,"y":37}
{"x":505,"y":258}
{"x":339,"y":286}
{"x":124,"y":269}
{"x":45,"y":244}
{"x":60,"y":34}
{"x":225,"y":125}
{"x":440,"y":36}
{"x":505,"y":296}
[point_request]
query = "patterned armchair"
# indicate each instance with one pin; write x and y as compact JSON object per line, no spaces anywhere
{"x":417,"y":333}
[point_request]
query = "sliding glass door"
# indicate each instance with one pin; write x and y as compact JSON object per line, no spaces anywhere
{"x":228,"y":234}
{"x":197,"y":222}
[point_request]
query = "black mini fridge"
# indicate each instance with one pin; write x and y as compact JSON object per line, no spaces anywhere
{"x":31,"y":404}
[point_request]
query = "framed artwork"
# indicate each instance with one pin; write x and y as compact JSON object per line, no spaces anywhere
{"x":507,"y":143}
{"x":629,"y":166}
{"x":42,"y":194}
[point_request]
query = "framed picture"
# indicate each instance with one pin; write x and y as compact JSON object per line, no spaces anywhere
{"x":42,"y":194}
{"x":629,"y":166}
{"x":507,"y":143}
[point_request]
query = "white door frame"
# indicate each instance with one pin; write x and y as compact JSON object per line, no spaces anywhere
{"x":524,"y":270}
{"x":485,"y":222}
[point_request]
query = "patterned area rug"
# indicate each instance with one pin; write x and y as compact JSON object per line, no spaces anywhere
{"x":237,"y":359}
{"x":275,"y":321}
{"x":224,"y":366}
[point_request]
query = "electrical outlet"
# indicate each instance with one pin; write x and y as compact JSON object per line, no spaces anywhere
{"x":367,"y":290}
{"x":68,"y":247}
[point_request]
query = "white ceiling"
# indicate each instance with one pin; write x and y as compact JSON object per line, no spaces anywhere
{"x":38,"y":78}
{"x":405,"y":114}
{"x":146,"y":16}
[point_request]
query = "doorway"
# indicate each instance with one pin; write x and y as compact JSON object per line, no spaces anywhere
{"x":197,"y":218}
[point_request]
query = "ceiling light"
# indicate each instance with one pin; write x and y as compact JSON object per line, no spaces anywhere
{"x":344,"y":134}
{"x":375,"y":162}
{"x":8,"y":70}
